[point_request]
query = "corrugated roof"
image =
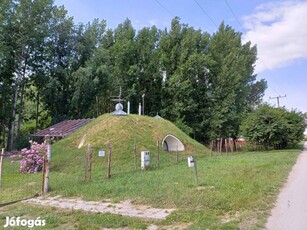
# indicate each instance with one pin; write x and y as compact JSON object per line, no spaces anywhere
{"x":62,"y":129}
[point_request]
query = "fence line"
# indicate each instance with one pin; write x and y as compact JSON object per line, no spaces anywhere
{"x":1,"y":161}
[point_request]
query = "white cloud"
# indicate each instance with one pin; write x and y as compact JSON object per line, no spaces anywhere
{"x":154,"y":22}
{"x":280,"y":32}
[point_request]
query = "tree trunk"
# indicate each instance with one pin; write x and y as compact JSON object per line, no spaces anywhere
{"x":226,"y":146}
{"x":234,"y":145}
{"x":3,"y":124}
{"x":21,"y":107}
{"x":37,"y":110}
{"x":10,"y":145}
{"x":221,"y":145}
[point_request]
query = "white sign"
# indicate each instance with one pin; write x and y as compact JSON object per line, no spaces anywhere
{"x":145,"y":159}
{"x":101,"y":153}
{"x":191,"y":161}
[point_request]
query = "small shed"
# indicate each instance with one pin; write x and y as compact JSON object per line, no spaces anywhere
{"x":172,"y":143}
{"x":60,"y":130}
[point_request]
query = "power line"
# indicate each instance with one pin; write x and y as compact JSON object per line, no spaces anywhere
{"x":234,"y":15}
{"x":205,"y":13}
{"x":272,"y":78}
{"x":243,"y":30}
{"x":165,"y":8}
{"x":278,"y":97}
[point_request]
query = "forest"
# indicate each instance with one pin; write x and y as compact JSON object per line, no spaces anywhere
{"x":52,"y":69}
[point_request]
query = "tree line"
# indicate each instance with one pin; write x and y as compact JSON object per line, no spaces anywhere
{"x":52,"y":69}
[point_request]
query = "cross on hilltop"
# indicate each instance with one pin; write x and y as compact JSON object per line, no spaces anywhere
{"x":118,"y":98}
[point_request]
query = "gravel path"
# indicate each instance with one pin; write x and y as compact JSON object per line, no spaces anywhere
{"x":290,"y":212}
{"x":125,"y":208}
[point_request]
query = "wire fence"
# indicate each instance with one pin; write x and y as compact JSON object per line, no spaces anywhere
{"x":16,"y":186}
{"x":105,"y":163}
{"x":89,"y":164}
{"x":70,"y":176}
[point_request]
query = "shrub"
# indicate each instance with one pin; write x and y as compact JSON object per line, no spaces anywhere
{"x":32,"y":159}
{"x":274,"y":127}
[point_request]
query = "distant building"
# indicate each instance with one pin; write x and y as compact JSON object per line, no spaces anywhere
{"x":60,"y":130}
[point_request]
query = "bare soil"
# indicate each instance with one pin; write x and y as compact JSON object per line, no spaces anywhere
{"x":125,"y":208}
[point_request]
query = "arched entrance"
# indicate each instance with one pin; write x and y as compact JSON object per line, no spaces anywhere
{"x":172,"y":143}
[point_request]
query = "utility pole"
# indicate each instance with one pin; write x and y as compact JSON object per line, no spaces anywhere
{"x":277,"y":98}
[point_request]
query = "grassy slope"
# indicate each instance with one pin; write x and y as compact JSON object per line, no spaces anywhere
{"x":121,"y":132}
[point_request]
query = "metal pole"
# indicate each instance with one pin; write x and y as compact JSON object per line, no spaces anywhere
{"x":128,"y":107}
{"x":140,"y":109}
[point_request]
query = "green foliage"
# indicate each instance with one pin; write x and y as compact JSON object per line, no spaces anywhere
{"x":210,"y":81}
{"x":275,"y":127}
{"x":202,"y":82}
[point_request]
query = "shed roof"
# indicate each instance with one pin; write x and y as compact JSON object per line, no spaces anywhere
{"x":62,"y":129}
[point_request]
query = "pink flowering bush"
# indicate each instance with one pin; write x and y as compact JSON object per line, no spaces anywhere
{"x":32,"y":159}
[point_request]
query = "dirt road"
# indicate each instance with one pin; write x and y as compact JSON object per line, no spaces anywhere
{"x":290,"y":212}
{"x":125,"y":208}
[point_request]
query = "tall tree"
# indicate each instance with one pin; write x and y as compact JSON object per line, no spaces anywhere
{"x":24,"y":35}
{"x":147,"y":69}
{"x":91,"y":86}
{"x":57,"y":90}
{"x":123,"y":59}
{"x":232,"y":81}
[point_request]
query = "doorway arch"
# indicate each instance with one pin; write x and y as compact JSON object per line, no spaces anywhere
{"x":172,"y":143}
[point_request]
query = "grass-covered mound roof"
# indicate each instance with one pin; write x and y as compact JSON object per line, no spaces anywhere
{"x":121,"y":132}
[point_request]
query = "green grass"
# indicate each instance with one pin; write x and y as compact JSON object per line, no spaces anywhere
{"x":122,"y":131}
{"x":242,"y":187}
{"x":234,"y":192}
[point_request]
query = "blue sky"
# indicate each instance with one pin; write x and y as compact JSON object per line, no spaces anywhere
{"x":277,"y":27}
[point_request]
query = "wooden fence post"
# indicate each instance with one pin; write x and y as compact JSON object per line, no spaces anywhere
{"x":86,"y":167}
{"x":88,"y":163}
{"x":46,"y":167}
{"x":158,"y":153}
{"x":109,"y":161}
{"x":196,"y":172}
{"x":43,"y":174}
{"x":134,"y":154}
{"x":1,"y":163}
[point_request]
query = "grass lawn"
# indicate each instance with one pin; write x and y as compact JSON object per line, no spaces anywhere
{"x":234,"y":192}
